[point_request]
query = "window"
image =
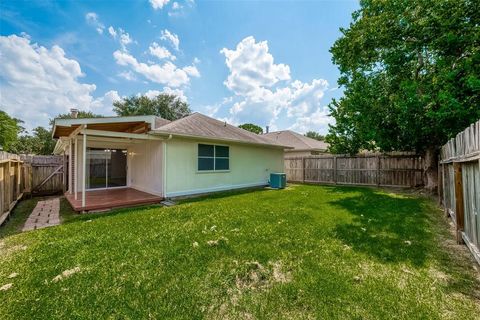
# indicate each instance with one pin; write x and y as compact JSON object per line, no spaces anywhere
{"x":213,"y":158}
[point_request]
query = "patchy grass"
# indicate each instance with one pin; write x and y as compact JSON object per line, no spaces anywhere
{"x":17,"y":218}
{"x":306,"y":252}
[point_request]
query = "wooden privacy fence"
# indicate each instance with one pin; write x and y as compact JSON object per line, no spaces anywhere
{"x":398,"y":171}
{"x":21,"y":174}
{"x":459,"y":181}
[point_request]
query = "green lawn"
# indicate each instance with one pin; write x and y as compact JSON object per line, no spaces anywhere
{"x":307,"y":252}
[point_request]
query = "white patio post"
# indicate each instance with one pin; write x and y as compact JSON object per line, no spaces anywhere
{"x":75,"y":186}
{"x":84,"y":173}
{"x":70,"y":166}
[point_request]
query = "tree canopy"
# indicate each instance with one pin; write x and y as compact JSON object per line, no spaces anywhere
{"x":9,"y":130}
{"x":252,"y":128}
{"x":411,"y":75}
{"x":167,"y":106}
{"x":315,"y":135}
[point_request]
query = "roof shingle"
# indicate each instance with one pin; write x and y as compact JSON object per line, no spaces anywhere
{"x":199,"y":125}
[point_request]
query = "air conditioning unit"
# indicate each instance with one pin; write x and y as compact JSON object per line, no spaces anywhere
{"x":278,"y":180}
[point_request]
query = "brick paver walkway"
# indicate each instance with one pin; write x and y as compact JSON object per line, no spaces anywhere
{"x":45,"y":214}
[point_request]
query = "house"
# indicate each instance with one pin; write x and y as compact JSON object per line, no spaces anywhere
{"x":119,"y":161}
{"x":301,"y":146}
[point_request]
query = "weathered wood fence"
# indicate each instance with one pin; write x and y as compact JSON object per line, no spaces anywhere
{"x":22,"y":174}
{"x":459,"y":181}
{"x":398,"y":171}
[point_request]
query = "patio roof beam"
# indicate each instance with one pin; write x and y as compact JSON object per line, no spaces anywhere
{"x":113,"y":134}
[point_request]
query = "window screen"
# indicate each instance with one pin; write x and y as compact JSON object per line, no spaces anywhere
{"x":212,"y":157}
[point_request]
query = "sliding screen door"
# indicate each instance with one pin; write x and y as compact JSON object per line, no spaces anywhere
{"x":117,"y":168}
{"x":96,"y":168}
{"x":106,"y":168}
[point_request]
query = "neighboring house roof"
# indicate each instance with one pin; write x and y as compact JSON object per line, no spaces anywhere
{"x":197,"y":125}
{"x":297,"y":141}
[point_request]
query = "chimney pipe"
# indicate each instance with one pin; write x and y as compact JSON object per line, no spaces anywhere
{"x":74,"y":113}
{"x":267,"y":129}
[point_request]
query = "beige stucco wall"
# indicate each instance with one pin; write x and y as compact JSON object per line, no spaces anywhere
{"x":249,"y":166}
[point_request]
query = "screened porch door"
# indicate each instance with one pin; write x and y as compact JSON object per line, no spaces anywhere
{"x":106,"y":168}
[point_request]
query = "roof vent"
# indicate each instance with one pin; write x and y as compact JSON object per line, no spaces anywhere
{"x":225,"y":124}
{"x":74,"y":113}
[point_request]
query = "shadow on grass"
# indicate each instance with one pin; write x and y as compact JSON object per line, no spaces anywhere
{"x":218,"y":195}
{"x":388,"y":227}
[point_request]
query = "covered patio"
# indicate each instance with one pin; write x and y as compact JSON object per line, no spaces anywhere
{"x":111,"y":198}
{"x":109,"y":162}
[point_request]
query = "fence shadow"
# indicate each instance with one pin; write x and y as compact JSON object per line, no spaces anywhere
{"x":389,"y":227}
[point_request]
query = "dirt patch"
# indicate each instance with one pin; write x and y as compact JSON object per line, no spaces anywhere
{"x":66,"y":274}
{"x":250,"y":277}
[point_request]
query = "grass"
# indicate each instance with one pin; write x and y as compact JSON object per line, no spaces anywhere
{"x":305,"y":252}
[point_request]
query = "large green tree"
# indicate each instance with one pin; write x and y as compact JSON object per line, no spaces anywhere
{"x":411,"y":77}
{"x":315,"y":135}
{"x":9,"y":130}
{"x":252,"y":128}
{"x":167,"y":106}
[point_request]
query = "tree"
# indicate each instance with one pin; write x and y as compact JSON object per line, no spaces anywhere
{"x":40,"y":142}
{"x":167,"y":106}
{"x":81,"y":114}
{"x":315,"y":135}
{"x":252,"y":128}
{"x":411,"y":77}
{"x":9,"y":130}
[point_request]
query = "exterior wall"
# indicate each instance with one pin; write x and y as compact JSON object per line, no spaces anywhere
{"x":146,"y":166}
{"x":144,"y":163}
{"x":249,"y":166}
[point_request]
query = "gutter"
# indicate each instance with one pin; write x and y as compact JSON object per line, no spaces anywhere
{"x":188,"y":136}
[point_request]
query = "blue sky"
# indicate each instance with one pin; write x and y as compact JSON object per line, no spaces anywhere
{"x":241,"y":61}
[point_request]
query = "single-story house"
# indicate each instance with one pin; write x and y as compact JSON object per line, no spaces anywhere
{"x":300,"y":145}
{"x":118,"y":161}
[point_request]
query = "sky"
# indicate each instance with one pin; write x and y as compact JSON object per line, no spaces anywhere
{"x":262,"y":62}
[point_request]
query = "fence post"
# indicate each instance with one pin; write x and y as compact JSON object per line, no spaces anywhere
{"x":459,"y":209}
{"x":303,"y":167}
{"x":378,"y":171}
{"x":335,"y":169}
{"x":440,"y":183}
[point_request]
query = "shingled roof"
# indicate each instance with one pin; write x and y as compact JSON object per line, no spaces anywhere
{"x":201,"y":126}
{"x":297,"y":141}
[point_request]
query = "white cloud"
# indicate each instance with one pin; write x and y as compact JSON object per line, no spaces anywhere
{"x":158,"y":4}
{"x":167,"y":73}
{"x":170,"y":37}
{"x":104,"y":105}
{"x":93,"y":20}
{"x":112,"y":32}
{"x":38,"y":83}
{"x":176,"y":6}
{"x":191,"y":71}
{"x":320,"y":118}
{"x":127,"y":75}
{"x":252,"y":67}
{"x":265,"y":94}
{"x":178,"y":92}
{"x":160,"y":52}
{"x":124,"y":38}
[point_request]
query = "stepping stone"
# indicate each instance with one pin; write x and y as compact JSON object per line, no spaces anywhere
{"x":45,"y":214}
